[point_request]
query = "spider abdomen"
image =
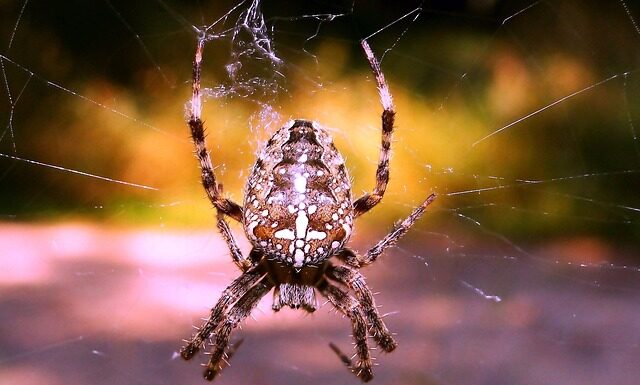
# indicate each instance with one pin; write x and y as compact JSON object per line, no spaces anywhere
{"x":298,"y":207}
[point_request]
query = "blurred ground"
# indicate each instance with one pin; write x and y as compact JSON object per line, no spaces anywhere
{"x":82,"y":304}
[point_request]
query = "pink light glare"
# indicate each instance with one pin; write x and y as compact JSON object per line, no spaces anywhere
{"x":22,"y":260}
{"x":124,"y":277}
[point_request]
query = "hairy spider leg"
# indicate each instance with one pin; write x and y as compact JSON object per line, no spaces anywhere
{"x":343,"y":357}
{"x":355,"y":281}
{"x":350,"y":307}
{"x":370,"y":200}
{"x":233,"y":348}
{"x":236,"y":314}
{"x":241,"y":261}
{"x":196,"y":125}
{"x":239,"y":287}
{"x":400,"y":229}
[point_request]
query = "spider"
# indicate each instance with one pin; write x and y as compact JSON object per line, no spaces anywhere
{"x":298,"y":215}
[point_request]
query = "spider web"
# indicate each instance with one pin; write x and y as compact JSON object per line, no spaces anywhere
{"x":521,"y":115}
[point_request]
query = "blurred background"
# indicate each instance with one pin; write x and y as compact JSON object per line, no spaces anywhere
{"x":523,"y":117}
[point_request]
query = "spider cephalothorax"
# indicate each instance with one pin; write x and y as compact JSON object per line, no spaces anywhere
{"x":298,"y":214}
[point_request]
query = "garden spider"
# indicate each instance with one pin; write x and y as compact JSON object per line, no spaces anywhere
{"x":298,"y":214}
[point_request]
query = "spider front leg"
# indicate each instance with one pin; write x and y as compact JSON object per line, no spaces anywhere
{"x":236,"y":314}
{"x":369,"y":200}
{"x":239,"y":287}
{"x":355,"y":281}
{"x":350,"y":307}
{"x":196,"y":125}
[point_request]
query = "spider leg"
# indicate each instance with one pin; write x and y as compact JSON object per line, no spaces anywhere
{"x":234,"y":316}
{"x":390,"y":239}
{"x":239,"y":287}
{"x":243,"y":263}
{"x":343,"y":357}
{"x":233,"y":348}
{"x":196,"y":125}
{"x":355,"y":281}
{"x":369,"y":200}
{"x":350,"y":307}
